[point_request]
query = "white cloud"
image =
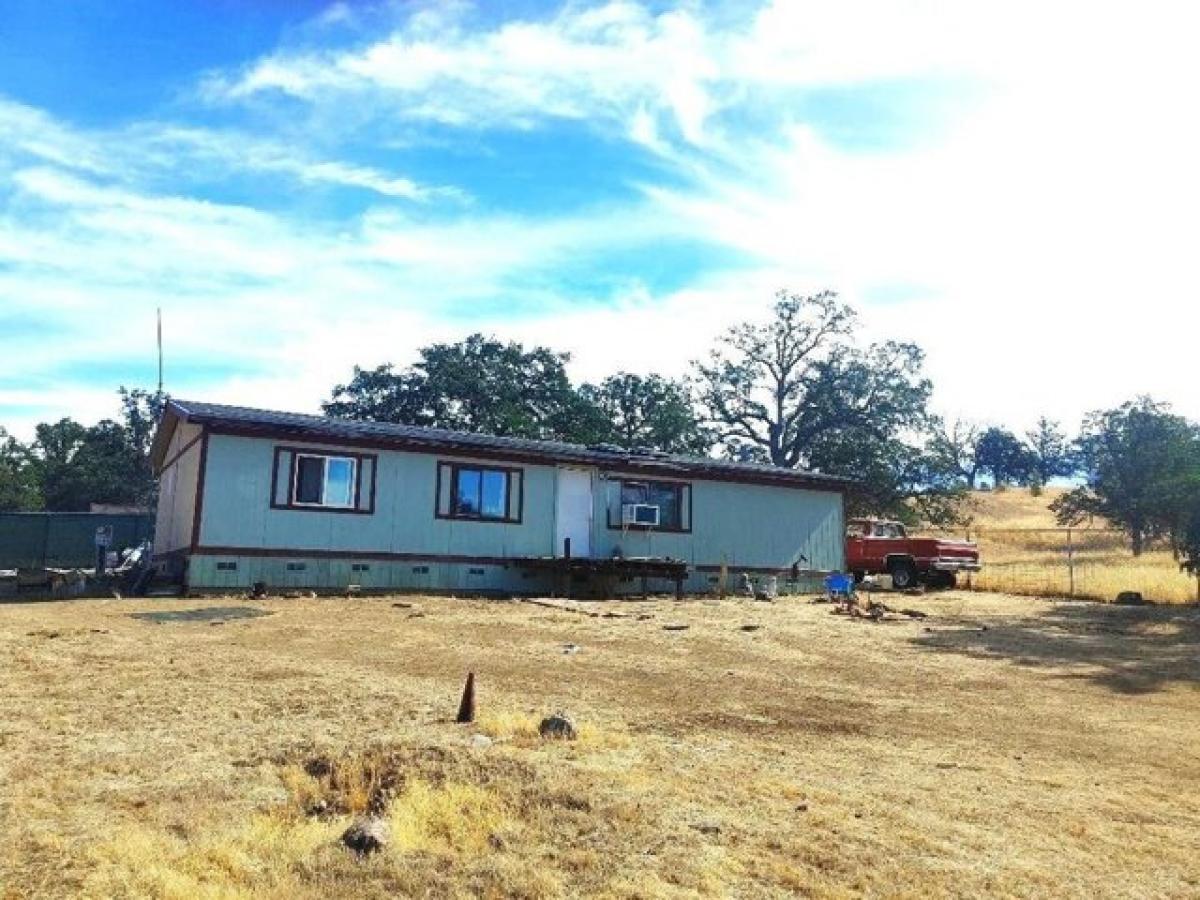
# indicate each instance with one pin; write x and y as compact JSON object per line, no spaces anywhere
{"x":237,"y":151}
{"x":183,"y":152}
{"x":1038,"y":243}
{"x":596,"y":63}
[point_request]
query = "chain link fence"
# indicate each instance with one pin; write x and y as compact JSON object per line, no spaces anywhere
{"x":1088,"y":563}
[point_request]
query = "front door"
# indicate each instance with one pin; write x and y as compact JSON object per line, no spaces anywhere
{"x":573,"y":512}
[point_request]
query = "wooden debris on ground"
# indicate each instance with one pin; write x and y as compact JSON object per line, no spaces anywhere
{"x":866,"y":607}
{"x":573,"y":606}
{"x":563,"y":606}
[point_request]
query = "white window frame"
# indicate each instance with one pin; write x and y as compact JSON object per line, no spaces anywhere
{"x":325,"y":458}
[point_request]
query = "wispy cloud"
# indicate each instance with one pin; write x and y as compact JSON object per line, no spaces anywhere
{"x":603,"y":63}
{"x":626,"y":65}
{"x":147,"y":149}
{"x":343,"y":199}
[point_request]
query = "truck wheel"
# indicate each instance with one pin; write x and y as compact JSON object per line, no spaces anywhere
{"x":904,"y":574}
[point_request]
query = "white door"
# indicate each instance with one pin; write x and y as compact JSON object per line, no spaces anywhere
{"x":573,"y":512}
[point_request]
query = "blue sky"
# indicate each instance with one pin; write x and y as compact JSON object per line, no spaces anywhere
{"x":303,"y":186}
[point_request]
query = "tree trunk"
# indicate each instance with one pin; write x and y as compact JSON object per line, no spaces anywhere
{"x":1137,"y":539}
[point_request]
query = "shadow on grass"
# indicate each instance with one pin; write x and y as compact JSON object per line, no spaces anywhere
{"x":1130,"y":650}
{"x":212,"y":614}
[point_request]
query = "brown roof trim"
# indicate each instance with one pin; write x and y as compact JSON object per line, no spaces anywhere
{"x":667,"y":467}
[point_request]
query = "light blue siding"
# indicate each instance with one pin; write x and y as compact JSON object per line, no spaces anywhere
{"x":336,"y":574}
{"x":740,"y":525}
{"x":744,"y":526}
{"x":237,"y":510}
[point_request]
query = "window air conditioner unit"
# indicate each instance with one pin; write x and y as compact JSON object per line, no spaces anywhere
{"x":639,"y":514}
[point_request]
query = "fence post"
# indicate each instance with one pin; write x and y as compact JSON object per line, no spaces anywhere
{"x":46,"y":542}
{"x":970,"y":575}
{"x":1070,"y":564}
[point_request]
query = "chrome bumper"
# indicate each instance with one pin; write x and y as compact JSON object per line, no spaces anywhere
{"x":952,"y":564}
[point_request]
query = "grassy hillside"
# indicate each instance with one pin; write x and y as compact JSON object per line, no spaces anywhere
{"x":1025,"y":552}
{"x":1015,"y":508}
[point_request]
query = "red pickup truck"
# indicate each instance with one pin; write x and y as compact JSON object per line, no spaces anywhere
{"x":874,"y":546}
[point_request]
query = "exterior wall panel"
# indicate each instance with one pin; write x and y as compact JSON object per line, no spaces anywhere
{"x":742,"y":525}
{"x":335,"y":574}
{"x":746,"y":526}
{"x":237,"y":509}
{"x":177,"y":490}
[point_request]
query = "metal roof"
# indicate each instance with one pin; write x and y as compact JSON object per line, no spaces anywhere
{"x":387,"y":434}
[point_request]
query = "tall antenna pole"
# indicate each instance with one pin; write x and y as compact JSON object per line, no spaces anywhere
{"x":160,"y":355}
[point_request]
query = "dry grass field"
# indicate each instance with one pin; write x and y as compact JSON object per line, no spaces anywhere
{"x":1024,"y":551}
{"x":1001,"y":747}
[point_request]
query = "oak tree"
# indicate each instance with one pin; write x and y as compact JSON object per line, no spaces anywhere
{"x":1138,"y":460}
{"x":648,"y":411}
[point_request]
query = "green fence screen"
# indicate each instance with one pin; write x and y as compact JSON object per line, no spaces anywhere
{"x":65,"y":540}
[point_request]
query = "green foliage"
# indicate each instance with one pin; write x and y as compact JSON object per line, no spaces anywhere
{"x":1142,"y":463}
{"x":770,"y":389}
{"x":478,"y":385}
{"x":18,"y":478}
{"x":648,"y":411}
{"x":896,"y":478}
{"x":140,"y":414}
{"x":141,"y":411}
{"x":78,"y":466}
{"x":70,"y":466}
{"x":954,"y":448}
{"x":1189,"y":531}
{"x":1001,"y":454}
{"x":965,"y":448}
{"x":796,"y":391}
{"x":59,"y":477}
{"x":1049,"y":452}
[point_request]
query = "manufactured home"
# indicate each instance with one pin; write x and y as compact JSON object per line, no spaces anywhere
{"x":306,"y":502}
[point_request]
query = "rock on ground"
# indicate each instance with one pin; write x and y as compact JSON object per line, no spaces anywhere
{"x":367,"y":835}
{"x":558,"y":726}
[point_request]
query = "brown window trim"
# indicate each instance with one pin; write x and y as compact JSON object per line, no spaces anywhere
{"x":455,"y":468}
{"x":679,"y":486}
{"x":359,"y":459}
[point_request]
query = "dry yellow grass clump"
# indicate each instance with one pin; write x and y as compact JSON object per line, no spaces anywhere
{"x":1001,"y":746}
{"x":1024,"y":551}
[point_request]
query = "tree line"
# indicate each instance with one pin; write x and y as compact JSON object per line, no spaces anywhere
{"x":796,"y":389}
{"x":69,"y":466}
{"x":1138,"y":466}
